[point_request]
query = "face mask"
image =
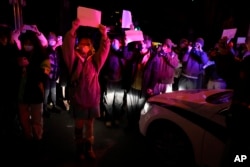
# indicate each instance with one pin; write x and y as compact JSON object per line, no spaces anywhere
{"x":52,"y":43}
{"x":115,"y":45}
{"x":85,"y":49}
{"x":28,"y":48}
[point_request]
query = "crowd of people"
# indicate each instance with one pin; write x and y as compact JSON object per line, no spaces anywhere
{"x":111,"y":81}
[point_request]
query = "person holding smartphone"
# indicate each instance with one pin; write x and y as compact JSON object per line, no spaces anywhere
{"x":63,"y":79}
{"x":193,"y":62}
{"x":51,"y":82}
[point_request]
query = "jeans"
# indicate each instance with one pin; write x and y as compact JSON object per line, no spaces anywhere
{"x":50,"y":89}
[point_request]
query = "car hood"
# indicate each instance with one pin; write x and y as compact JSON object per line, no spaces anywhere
{"x":190,"y":100}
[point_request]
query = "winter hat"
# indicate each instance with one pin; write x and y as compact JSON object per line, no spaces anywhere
{"x":200,"y":40}
{"x":169,"y":43}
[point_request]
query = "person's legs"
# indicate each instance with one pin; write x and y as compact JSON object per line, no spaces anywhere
{"x":24,"y":116}
{"x":175,"y":84}
{"x":85,"y":119}
{"x":108,"y":99}
{"x":192,"y":84}
{"x":210,"y":84}
{"x":46,"y":97}
{"x":90,"y":139}
{"x":137,"y":113}
{"x":131,"y":100}
{"x":63,"y":91}
{"x":53,"y":91}
{"x":53,"y":94}
{"x":37,"y":120}
{"x":79,"y":140}
{"x":64,"y":96}
{"x":182,"y":85}
{"x":92,"y":113}
{"x":118,"y":104}
{"x":134,"y":103}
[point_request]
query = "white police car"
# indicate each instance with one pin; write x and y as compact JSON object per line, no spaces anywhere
{"x":187,"y":128}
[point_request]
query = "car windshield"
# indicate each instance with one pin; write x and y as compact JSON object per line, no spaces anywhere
{"x":220,"y":98}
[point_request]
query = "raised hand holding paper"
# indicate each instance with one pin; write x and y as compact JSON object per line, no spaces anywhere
{"x":241,"y":40}
{"x":126,"y":19}
{"x":89,"y":17}
{"x":133,"y":35}
{"x":229,"y":33}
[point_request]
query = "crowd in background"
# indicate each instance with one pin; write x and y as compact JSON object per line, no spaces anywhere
{"x":111,"y":81}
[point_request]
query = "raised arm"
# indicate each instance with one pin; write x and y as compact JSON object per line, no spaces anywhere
{"x":101,"y":55}
{"x":41,"y":36}
{"x":68,"y":46}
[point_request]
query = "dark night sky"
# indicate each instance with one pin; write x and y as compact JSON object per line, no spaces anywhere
{"x":155,"y":18}
{"x":146,"y":14}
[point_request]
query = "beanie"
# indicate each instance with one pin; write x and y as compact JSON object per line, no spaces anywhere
{"x":200,"y":40}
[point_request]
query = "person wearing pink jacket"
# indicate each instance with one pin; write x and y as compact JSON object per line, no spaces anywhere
{"x":84,"y":65}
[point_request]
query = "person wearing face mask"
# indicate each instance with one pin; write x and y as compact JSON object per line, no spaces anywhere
{"x":51,"y":82}
{"x":33,"y":71}
{"x":84,"y":65}
{"x":193,"y":62}
{"x":63,"y":81}
{"x":28,"y":47}
{"x":112,"y":74}
{"x":169,"y":62}
{"x":144,"y":66}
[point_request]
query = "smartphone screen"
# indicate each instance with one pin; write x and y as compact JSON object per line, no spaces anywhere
{"x":59,"y":38}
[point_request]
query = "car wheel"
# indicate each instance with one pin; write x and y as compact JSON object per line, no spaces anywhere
{"x":169,"y":146}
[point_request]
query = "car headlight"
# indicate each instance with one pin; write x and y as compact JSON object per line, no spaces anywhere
{"x":146,"y":108}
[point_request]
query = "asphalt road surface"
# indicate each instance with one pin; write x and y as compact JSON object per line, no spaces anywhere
{"x":113,"y":146}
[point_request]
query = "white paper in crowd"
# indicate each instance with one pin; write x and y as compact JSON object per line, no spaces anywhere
{"x":132,"y":35}
{"x":126,"y":19}
{"x":89,"y":17}
{"x":229,"y":33}
{"x":241,"y":40}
